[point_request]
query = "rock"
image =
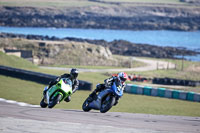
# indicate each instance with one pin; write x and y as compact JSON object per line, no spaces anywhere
{"x":105,"y":52}
{"x":141,"y":17}
{"x":106,"y":49}
{"x":196,"y":2}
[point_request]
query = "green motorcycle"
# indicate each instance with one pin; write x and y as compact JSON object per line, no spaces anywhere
{"x":57,"y":93}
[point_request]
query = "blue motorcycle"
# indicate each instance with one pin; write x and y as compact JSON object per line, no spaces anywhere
{"x":105,"y":99}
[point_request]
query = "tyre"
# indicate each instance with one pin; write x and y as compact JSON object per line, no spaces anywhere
{"x":107,"y":103}
{"x":43,"y":104}
{"x":54,"y":101}
{"x":85,"y":106}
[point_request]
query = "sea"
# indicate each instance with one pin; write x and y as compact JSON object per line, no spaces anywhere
{"x":187,"y":39}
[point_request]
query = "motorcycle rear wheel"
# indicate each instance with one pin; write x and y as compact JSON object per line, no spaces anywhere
{"x":107,"y":105}
{"x":54,"y":101}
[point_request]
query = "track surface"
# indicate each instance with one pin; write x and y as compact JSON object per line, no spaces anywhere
{"x":18,"y":119}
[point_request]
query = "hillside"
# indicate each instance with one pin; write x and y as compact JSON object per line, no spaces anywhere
{"x":118,"y":47}
{"x":64,"y":52}
{"x":104,"y":14}
{"x":15,"y":61}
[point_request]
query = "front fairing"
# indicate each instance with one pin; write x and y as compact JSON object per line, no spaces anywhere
{"x":63,"y":87}
{"x":66,"y":85}
{"x":117,"y":89}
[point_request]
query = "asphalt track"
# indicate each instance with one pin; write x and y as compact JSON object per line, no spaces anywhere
{"x":26,"y":119}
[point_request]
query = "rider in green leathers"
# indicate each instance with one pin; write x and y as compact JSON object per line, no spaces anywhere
{"x":72,"y":76}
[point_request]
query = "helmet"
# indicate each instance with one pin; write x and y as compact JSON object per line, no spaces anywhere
{"x":122,"y":76}
{"x":74,"y":73}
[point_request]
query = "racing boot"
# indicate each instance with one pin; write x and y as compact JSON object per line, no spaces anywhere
{"x":93,"y":94}
{"x":45,"y":91}
{"x":116,"y":101}
{"x":68,"y":99}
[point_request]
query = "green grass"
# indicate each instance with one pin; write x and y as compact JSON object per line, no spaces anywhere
{"x":155,"y":105}
{"x":189,"y":71}
{"x":86,"y":67}
{"x":30,"y":92}
{"x":147,"y":1}
{"x":77,"y":3}
{"x":20,"y":90}
{"x":95,"y":78}
{"x":116,"y":57}
{"x":15,"y":61}
{"x":185,"y":75}
{"x":48,"y":3}
{"x":92,"y":77}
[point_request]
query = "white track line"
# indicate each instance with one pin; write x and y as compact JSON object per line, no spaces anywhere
{"x":19,"y":103}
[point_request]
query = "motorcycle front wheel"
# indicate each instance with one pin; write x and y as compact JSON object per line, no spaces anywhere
{"x":85,"y":105}
{"x":107,"y":103}
{"x":43,"y":104}
{"x":54,"y":101}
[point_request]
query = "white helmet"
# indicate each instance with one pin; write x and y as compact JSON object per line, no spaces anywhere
{"x":122,"y":76}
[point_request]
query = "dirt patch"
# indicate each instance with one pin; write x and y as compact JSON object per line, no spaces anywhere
{"x":194,"y":68}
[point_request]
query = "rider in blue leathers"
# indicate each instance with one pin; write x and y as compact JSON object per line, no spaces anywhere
{"x":121,"y":77}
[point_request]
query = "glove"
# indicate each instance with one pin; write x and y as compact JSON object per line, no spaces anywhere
{"x":107,"y":84}
{"x":58,"y":79}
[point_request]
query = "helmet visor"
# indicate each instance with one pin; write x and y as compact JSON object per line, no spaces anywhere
{"x":122,"y":79}
{"x":75,"y":75}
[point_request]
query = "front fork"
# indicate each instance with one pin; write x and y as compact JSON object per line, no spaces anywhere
{"x":45,"y":94}
{"x":45,"y":88}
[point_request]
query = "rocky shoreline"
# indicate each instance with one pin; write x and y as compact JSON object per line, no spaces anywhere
{"x":138,"y":17}
{"x":119,"y":47}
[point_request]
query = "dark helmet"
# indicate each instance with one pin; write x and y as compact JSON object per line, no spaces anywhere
{"x":74,"y":73}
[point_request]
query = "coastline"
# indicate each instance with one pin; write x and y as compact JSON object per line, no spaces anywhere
{"x":119,"y":47}
{"x":124,"y":17}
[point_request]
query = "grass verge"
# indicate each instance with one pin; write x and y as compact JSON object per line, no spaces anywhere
{"x":184,"y":70}
{"x":30,"y":92}
{"x":79,"y":3}
{"x":14,"y":61}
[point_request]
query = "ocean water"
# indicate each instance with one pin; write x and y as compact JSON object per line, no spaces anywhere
{"x":189,"y":40}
